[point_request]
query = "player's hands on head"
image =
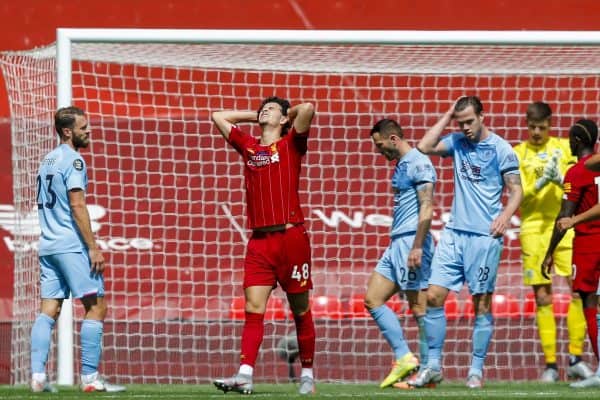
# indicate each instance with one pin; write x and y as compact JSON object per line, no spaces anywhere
{"x":96,"y":261}
{"x":450,"y":112}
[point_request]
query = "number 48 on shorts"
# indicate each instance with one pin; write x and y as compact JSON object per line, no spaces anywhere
{"x":301,"y":273}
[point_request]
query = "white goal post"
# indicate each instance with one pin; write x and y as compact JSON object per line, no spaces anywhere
{"x":167,"y":195}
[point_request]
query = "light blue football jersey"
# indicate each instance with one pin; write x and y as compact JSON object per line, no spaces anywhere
{"x":478,"y":180}
{"x":412,"y":171}
{"x":62,"y":169}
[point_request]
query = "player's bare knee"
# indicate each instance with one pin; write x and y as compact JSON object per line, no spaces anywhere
{"x":299,"y":302}
{"x":371,"y":302}
{"x":51,"y":308}
{"x":543,"y":299}
{"x":97,"y":312}
{"x":482,"y":303}
{"x":543,"y":295}
{"x":482,"y":308}
{"x":589,"y":300}
{"x":300,"y":312}
{"x":418,"y":309}
{"x":52,"y":314}
{"x":95,"y":307}
{"x":436,"y":296}
{"x":435,"y":301}
{"x":255,"y":307}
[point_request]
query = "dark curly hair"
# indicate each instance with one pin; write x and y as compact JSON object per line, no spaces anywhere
{"x":285,"y":105}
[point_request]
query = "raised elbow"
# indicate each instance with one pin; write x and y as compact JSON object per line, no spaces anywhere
{"x":216,"y":116}
{"x":309,"y":107}
{"x":306,"y":109}
{"x":423,"y":148}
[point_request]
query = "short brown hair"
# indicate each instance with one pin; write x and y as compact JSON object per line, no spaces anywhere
{"x":538,"y":111}
{"x":65,"y":118}
{"x":387,"y":127}
{"x":467,"y":101}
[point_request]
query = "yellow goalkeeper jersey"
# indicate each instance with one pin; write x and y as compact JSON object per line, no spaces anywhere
{"x":539,"y":209}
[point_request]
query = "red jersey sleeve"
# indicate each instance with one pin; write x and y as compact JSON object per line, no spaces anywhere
{"x":581,"y":187}
{"x":239,"y":140}
{"x":572,"y":184}
{"x":299,"y":140}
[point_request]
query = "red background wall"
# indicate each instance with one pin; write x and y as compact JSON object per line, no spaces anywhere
{"x":31,"y":23}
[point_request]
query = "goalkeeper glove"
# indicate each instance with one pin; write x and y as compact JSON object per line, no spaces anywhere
{"x":551,"y":173}
{"x":540,"y":183}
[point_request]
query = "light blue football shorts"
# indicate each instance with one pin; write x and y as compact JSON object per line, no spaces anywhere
{"x":392,"y":264}
{"x":69,"y":273}
{"x":463,"y":256}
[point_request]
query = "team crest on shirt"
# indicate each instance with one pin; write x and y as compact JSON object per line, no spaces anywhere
{"x":274,"y":154}
{"x":486,"y":155}
{"x":78,"y":164}
{"x":260,"y":158}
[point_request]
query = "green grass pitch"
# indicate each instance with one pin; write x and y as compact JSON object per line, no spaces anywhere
{"x":448,"y":390}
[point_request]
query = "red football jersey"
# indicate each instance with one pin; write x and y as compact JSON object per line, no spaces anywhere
{"x":272,"y":176}
{"x":581,"y":187}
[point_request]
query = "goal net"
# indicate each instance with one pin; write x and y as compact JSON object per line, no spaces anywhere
{"x":166,"y":193}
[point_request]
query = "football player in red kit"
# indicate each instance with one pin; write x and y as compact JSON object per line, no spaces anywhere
{"x":581,"y":194}
{"x":279,"y":248}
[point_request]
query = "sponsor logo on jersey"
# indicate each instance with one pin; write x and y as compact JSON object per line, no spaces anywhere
{"x":262,"y":158}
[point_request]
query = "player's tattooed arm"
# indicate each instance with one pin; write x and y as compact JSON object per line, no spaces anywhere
{"x":425,"y":197}
{"x":515,"y":196}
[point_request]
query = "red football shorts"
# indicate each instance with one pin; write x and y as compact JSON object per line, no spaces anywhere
{"x":282,"y":256}
{"x":586,"y":271}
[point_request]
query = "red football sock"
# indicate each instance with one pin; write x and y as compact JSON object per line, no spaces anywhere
{"x":305,"y":330}
{"x":592,"y":327}
{"x":252,"y":337}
